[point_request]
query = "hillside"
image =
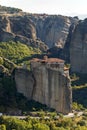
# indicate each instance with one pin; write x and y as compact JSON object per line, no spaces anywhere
{"x":17,"y":52}
{"x":24,"y":35}
{"x":42,"y":30}
{"x":13,"y":55}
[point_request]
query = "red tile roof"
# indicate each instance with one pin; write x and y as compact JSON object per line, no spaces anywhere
{"x":48,"y":60}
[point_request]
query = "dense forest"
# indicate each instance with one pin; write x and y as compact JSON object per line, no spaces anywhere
{"x":41,"y":123}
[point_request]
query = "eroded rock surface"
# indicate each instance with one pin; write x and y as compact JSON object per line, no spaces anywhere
{"x":78,"y":48}
{"x":46,"y":31}
{"x":48,"y":83}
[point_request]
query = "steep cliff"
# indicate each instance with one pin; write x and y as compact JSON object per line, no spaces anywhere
{"x":53,"y":30}
{"x":53,"y":89}
{"x":19,"y":28}
{"x":78,"y":48}
{"x":48,"y":84}
{"x":64,"y":53}
{"x":38,"y":30}
{"x":24,"y":82}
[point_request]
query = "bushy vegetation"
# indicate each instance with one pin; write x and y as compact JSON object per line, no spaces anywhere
{"x":79,"y":87}
{"x":17,"y":52}
{"x":6,"y":66}
{"x":62,"y":123}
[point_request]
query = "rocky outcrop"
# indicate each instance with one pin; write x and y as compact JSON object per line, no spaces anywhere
{"x":53,"y":30}
{"x":48,"y":83}
{"x":19,"y":28}
{"x":78,"y":48}
{"x":53,"y":89}
{"x":64,"y":53}
{"x":44,"y":30}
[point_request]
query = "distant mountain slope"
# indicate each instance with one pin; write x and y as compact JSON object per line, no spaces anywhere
{"x":38,"y":30}
{"x":60,"y":34}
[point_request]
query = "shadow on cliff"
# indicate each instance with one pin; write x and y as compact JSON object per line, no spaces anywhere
{"x":80,"y":96}
{"x":79,"y":88}
{"x":80,"y":79}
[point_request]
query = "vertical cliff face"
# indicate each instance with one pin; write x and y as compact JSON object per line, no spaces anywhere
{"x":52,"y":30}
{"x":52,"y":87}
{"x":24,"y":26}
{"x":48,"y":84}
{"x":60,"y":92}
{"x":78,"y":48}
{"x":24,"y":82}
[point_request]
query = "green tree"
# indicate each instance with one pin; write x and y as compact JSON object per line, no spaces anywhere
{"x":1,"y":60}
{"x":2,"y":127}
{"x":40,"y":126}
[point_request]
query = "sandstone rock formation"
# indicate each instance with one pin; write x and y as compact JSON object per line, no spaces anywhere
{"x":48,"y":83}
{"x":19,"y":28}
{"x":64,"y":53}
{"x":53,"y":30}
{"x":78,"y":48}
{"x":44,"y":30}
{"x":24,"y":82}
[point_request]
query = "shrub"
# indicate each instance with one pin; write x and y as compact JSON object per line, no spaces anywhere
{"x":2,"y":127}
{"x":40,"y":126}
{"x":1,"y":60}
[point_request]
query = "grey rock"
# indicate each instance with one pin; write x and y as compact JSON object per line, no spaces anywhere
{"x":24,"y":82}
{"x":47,"y":83}
{"x":78,"y":48}
{"x":49,"y":30}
